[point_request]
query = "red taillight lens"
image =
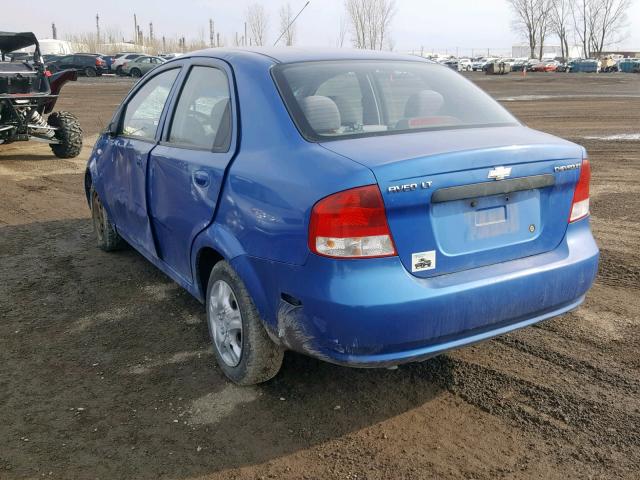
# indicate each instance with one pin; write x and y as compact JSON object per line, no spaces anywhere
{"x":580,"y":205}
{"x":351,"y":224}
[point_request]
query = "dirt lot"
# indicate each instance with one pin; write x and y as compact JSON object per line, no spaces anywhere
{"x":105,"y":369}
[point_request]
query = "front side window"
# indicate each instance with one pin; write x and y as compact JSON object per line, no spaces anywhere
{"x":338,"y":99}
{"x":202,"y":117}
{"x":142,"y":115}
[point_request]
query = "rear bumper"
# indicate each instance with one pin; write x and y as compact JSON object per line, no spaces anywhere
{"x":373,"y":313}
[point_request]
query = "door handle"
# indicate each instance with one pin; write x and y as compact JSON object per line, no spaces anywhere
{"x":201,"y":178}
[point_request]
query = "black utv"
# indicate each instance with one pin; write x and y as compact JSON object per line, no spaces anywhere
{"x":28,"y":92}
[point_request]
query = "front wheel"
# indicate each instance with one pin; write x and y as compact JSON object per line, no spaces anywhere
{"x":68,"y":134}
{"x":244,"y":351}
{"x":136,"y":73}
{"x":90,"y":72}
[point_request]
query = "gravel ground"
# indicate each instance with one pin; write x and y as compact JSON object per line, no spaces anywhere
{"x":106,"y":372}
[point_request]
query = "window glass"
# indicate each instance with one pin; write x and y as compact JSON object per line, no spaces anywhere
{"x":202,"y":117}
{"x":358,"y":98}
{"x":142,"y":114}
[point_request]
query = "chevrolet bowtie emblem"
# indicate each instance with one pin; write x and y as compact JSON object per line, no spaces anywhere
{"x":499,"y":173}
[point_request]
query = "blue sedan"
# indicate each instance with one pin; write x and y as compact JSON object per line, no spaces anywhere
{"x":364,"y":208}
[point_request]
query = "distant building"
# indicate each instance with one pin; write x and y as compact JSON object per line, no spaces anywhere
{"x":625,"y":54}
{"x":548,"y":51}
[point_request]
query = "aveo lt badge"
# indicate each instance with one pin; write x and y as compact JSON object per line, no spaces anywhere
{"x":408,"y":187}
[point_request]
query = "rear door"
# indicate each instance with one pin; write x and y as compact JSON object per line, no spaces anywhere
{"x":124,"y":168}
{"x":187,"y":168}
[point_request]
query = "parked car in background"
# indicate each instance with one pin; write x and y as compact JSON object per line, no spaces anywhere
{"x":108,"y":60}
{"x":478,"y":64}
{"x":519,"y":66}
{"x":89,"y":64}
{"x":120,"y":58}
{"x":272,"y":186}
{"x":452,"y":63}
{"x":141,"y":65}
{"x":169,"y":56}
{"x":465,"y":65}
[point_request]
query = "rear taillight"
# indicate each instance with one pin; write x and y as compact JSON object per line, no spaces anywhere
{"x":351,"y":224}
{"x":580,"y":205}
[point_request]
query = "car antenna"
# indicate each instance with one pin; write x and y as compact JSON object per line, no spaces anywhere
{"x":292,"y":21}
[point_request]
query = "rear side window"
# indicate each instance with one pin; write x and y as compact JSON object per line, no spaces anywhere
{"x":202,"y":116}
{"x":337,"y":99}
{"x":142,"y":114}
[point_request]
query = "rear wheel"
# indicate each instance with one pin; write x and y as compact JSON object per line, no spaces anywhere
{"x":119,"y":70}
{"x":244,"y":351}
{"x":106,"y":234}
{"x":68,"y":133}
{"x":136,"y":73}
{"x":90,"y":72}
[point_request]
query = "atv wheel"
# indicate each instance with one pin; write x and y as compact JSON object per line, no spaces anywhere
{"x":244,"y":351}
{"x":108,"y":238}
{"x":90,"y":72}
{"x":136,"y":73}
{"x":68,"y":133}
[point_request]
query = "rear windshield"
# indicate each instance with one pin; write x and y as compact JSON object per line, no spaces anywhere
{"x":332,"y":100}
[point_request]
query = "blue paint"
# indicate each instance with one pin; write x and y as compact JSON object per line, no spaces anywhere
{"x":252,"y":203}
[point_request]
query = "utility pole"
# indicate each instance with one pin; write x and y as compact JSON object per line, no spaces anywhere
{"x":211,"y":32}
{"x":54,"y":31}
{"x":97,"y":28}
{"x":150,"y":32}
{"x":244,"y":42}
{"x":135,"y":28}
{"x":217,"y":39}
{"x":164,"y":44}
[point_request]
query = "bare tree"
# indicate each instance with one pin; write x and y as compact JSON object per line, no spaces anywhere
{"x":370,"y":22}
{"x":610,"y":18}
{"x":286,"y":17}
{"x":598,"y":23}
{"x":544,"y":24}
{"x":559,"y":18}
{"x":258,"y":22}
{"x":342,"y":31}
{"x":531,"y":18}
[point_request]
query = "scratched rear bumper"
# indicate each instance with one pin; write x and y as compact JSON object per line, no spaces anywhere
{"x":373,"y":313}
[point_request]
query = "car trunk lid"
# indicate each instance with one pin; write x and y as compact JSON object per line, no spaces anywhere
{"x":460,"y":199}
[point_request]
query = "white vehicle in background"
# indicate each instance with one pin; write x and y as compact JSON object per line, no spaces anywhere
{"x":465,"y":65}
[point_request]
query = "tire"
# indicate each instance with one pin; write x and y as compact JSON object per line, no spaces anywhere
{"x":259,"y":358}
{"x":90,"y":72}
{"x":108,"y":238}
{"x":68,"y":133}
{"x":136,"y":73}
{"x":119,"y":70}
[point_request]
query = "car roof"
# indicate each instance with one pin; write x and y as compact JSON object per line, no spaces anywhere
{"x":293,"y":54}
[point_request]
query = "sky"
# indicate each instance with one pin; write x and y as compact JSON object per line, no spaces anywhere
{"x":447,"y":26}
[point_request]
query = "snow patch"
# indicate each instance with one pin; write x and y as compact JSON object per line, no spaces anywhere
{"x":619,"y":136}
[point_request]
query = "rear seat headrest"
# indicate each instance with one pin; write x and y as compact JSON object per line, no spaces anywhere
{"x":322,"y":113}
{"x":423,"y":104}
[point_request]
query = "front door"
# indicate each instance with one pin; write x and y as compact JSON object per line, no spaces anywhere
{"x":187,"y":168}
{"x":125,"y":169}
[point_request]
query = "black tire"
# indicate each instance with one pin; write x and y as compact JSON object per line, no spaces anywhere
{"x":90,"y":72}
{"x":261,"y":358}
{"x":68,"y":133}
{"x":136,"y":72}
{"x":108,"y":238}
{"x":119,"y":70}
